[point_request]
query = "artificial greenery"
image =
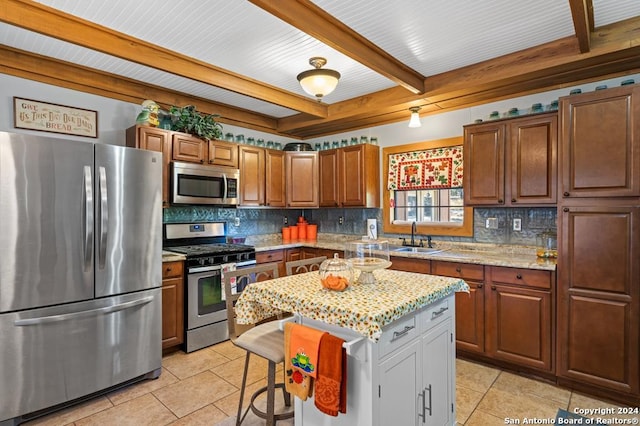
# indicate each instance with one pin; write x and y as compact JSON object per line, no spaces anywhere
{"x":186,"y":119}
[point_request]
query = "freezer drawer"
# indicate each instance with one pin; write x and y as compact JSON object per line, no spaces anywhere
{"x":53,"y":355}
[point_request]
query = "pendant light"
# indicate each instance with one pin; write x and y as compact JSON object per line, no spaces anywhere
{"x":415,"y":117}
{"x":318,"y":82}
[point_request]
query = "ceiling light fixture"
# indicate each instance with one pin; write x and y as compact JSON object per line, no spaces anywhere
{"x":415,"y":117}
{"x":318,"y":82}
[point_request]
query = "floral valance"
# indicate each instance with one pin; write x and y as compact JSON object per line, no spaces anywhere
{"x":438,"y":168}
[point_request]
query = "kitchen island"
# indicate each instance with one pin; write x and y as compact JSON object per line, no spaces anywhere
{"x":399,"y":334}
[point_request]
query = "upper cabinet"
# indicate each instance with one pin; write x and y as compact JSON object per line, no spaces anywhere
{"x":512,"y":162}
{"x":349,"y":176}
{"x":153,"y":139}
{"x":195,"y":150}
{"x":262,"y":177}
{"x":301,"y":170}
{"x":592,"y":165}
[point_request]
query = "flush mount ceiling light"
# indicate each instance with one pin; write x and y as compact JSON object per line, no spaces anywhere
{"x":318,"y":82}
{"x":415,"y":117}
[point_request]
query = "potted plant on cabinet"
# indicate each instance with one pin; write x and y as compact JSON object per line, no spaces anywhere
{"x":187,"y":120}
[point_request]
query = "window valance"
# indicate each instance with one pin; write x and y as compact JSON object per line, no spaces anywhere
{"x":438,"y":168}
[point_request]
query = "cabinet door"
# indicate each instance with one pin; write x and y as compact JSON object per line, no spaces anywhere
{"x":252,"y":172}
{"x":329,"y":176}
{"x":484,"y":150}
{"x":172,"y":304}
{"x":470,"y":318}
{"x":188,"y":148}
{"x":438,"y":380}
{"x":408,"y":264}
{"x":223,"y":153}
{"x":601,"y":143}
{"x":519,"y":326}
{"x":275,"y":183}
{"x":599,"y":296}
{"x":302,"y":179}
{"x":154,"y":139}
{"x":400,"y":387}
{"x":532,"y":166}
{"x":352,"y":176}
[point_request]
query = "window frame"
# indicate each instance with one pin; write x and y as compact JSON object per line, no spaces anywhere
{"x":463,"y":230}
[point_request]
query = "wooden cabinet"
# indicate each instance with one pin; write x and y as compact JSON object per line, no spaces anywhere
{"x":172,"y":304}
{"x":511,"y":162}
{"x":154,"y":139}
{"x":275,"y":178}
{"x":599,"y":296}
{"x":601,"y":143}
{"x":470,"y":307}
{"x":301,"y":170}
{"x":519,"y":316}
{"x":273,"y":256}
{"x":349,"y":176}
{"x":409,"y":264}
{"x":252,"y":175}
{"x":598,"y":336}
{"x":195,"y":150}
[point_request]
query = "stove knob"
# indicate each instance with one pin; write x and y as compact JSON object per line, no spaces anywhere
{"x":211,"y":260}
{"x":225,"y":258}
{"x":201,"y":261}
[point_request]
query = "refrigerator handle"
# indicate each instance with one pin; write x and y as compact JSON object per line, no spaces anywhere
{"x":104,"y":218}
{"x":88,"y":218}
{"x":82,"y":314}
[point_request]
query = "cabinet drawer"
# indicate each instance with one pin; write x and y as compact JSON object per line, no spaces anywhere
{"x":270,"y":256}
{"x":436,"y":313}
{"x":468,"y":271}
{"x":528,"y":277}
{"x":398,"y":334}
{"x":172,"y":269}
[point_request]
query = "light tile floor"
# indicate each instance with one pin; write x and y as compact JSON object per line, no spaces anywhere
{"x":202,"y":388}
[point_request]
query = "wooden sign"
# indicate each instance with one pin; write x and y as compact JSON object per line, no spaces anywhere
{"x":46,"y":117}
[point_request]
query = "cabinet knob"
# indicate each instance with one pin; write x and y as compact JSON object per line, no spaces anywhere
{"x":458,"y":269}
{"x":566,"y":209}
{"x":210,"y":161}
{"x":168,"y":269}
{"x":513,"y":200}
{"x":519,"y":276}
{"x":500,"y":201}
{"x":480,"y":285}
{"x":566,"y":194}
{"x":493,"y":287}
{"x":201,"y":161}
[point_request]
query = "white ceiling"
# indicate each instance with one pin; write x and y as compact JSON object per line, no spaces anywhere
{"x":428,"y":36}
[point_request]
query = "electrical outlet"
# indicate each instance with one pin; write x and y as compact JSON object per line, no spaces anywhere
{"x":236,"y":221}
{"x":517,"y":224}
{"x":340,"y":220}
{"x":285,"y":220}
{"x":491,"y":223}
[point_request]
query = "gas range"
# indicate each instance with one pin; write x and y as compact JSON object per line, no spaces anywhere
{"x":204,"y":244}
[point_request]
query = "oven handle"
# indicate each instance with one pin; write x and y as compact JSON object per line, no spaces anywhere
{"x":245,"y":263}
{"x":208,"y":268}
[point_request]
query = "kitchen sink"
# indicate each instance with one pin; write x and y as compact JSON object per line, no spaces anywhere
{"x":405,"y":249}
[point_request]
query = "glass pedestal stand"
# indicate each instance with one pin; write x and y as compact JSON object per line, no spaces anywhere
{"x":367,"y":265}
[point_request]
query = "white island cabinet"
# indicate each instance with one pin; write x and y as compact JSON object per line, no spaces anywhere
{"x":400,"y":339}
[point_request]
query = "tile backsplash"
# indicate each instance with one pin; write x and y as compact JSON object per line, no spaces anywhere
{"x":247,"y":221}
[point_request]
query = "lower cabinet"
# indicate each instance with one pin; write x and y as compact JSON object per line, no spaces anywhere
{"x":409,"y":264}
{"x":172,"y":304}
{"x":277,"y":256}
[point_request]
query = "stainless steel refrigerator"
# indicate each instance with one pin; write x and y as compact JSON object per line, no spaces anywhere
{"x":80,"y":270}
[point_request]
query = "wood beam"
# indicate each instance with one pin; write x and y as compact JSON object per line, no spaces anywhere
{"x":581,"y":22}
{"x":53,"y":71}
{"x":311,"y":19}
{"x":42,"y":19}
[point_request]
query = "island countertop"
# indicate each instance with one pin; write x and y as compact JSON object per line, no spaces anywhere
{"x":364,"y":308}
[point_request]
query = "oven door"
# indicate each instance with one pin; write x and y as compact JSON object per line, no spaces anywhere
{"x":205,"y":297}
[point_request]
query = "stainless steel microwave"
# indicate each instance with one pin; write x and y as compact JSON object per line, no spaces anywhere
{"x":200,"y":184}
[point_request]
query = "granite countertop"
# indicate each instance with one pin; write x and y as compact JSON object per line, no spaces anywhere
{"x":168,"y":256}
{"x":363,"y":308}
{"x":483,"y":254}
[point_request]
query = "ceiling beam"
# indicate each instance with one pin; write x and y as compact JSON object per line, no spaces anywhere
{"x":312,"y":20}
{"x":72,"y":76}
{"x":50,"y":22}
{"x":582,"y":23}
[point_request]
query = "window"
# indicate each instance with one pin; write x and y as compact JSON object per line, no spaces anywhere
{"x":424,"y":185}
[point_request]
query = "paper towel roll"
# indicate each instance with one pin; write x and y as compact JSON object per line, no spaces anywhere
{"x":372,"y":229}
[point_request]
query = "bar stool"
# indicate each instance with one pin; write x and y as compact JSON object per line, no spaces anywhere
{"x":304,"y":265}
{"x":265,"y":340}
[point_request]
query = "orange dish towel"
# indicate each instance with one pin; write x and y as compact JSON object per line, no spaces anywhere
{"x":301,"y":347}
{"x":330,"y":385}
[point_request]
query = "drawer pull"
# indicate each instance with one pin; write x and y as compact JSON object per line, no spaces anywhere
{"x":493,"y":287}
{"x":407,"y":328}
{"x":519,"y":276}
{"x":458,"y":269}
{"x":439,"y":312}
{"x":480,"y":285}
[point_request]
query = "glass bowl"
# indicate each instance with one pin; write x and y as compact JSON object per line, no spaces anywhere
{"x":336,"y":274}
